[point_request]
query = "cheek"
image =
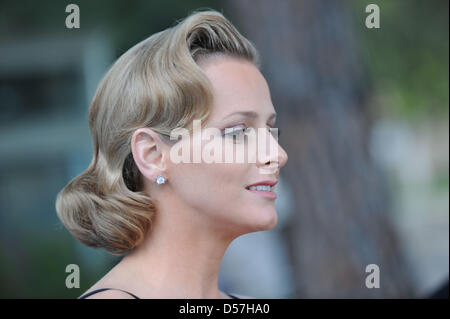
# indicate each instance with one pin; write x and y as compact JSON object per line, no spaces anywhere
{"x":218,"y":191}
{"x":210,"y":186}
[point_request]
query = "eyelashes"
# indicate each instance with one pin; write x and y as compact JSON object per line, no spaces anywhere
{"x":240,"y":133}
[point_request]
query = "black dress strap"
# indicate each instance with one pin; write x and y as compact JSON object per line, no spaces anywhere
{"x":103,"y":289}
{"x":134,"y":296}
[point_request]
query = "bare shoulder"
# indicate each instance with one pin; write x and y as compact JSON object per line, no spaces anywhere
{"x":109,"y":294}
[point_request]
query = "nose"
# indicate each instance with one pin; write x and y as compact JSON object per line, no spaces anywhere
{"x":271,"y":156}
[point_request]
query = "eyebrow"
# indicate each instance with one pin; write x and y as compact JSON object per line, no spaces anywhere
{"x":250,"y":114}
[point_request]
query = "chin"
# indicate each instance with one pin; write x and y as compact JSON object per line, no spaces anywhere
{"x":263,"y":220}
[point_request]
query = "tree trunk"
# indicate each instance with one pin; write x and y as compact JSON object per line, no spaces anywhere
{"x":340,"y":223}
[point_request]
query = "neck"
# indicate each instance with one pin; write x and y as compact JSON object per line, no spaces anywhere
{"x":180,"y":256}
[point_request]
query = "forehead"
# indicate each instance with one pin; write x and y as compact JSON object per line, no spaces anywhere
{"x":238,"y":85}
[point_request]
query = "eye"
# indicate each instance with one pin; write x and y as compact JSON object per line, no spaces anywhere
{"x":237,"y":133}
{"x":240,"y":133}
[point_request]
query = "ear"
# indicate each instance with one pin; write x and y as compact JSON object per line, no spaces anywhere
{"x":148,"y":153}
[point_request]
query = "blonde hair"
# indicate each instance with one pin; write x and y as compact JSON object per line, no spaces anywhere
{"x":157,"y":84}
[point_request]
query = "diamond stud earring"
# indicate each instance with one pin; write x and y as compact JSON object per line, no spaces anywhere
{"x":160,"y":180}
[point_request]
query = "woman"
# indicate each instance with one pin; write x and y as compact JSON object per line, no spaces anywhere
{"x":172,"y":221}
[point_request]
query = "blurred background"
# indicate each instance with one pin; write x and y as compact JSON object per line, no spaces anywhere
{"x":365,"y":121}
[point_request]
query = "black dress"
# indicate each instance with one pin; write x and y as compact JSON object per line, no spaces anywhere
{"x":134,"y":296}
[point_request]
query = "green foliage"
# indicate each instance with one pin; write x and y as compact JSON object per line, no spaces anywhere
{"x":407,"y":57}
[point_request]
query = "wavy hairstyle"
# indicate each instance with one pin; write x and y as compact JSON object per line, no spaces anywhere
{"x":157,"y":84}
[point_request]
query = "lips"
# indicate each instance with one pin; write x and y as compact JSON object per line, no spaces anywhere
{"x":270,"y":183}
{"x":264,"y":193}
